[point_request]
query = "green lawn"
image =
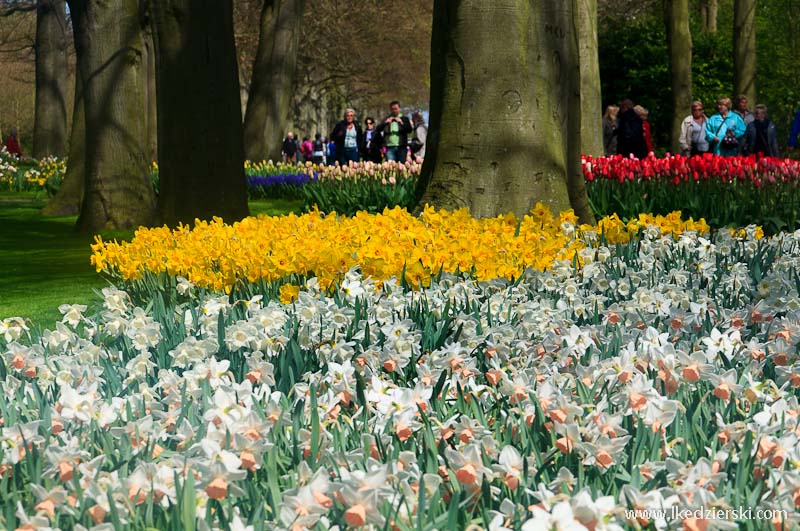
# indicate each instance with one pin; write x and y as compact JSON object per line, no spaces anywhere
{"x":45,"y":262}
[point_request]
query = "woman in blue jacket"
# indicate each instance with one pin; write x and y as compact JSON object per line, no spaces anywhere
{"x":725,"y":130}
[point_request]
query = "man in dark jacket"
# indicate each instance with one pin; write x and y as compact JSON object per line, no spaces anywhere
{"x":761,"y":135}
{"x":394,"y":130}
{"x":289,"y":149}
{"x":630,"y":132}
{"x":348,"y":137}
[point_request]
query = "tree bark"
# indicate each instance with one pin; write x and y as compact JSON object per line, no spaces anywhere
{"x":67,"y":202}
{"x":151,"y":118}
{"x":50,"y":110}
{"x":679,"y":43}
{"x":744,"y":48}
{"x":118,"y":193}
{"x":499,"y":125}
{"x":269,"y":104}
{"x":708,"y":15}
{"x":583,"y":105}
{"x":200,"y":145}
{"x":591,"y":103}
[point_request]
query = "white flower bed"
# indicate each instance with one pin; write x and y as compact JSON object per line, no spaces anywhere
{"x":662,"y":374}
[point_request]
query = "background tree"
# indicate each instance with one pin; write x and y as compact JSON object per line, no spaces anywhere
{"x":744,"y":48}
{"x":591,"y":101}
{"x":361,"y":55}
{"x":118,"y":192}
{"x":500,"y":103}
{"x":200,"y":145}
{"x":68,"y":199}
{"x":269,"y":102}
{"x":679,"y":43}
{"x":18,"y":69}
{"x":708,"y":15}
{"x":50,"y":121}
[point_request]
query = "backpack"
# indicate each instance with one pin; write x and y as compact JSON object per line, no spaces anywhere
{"x":630,"y":130}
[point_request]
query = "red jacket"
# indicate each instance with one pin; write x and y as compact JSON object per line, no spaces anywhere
{"x":648,"y":138}
{"x":13,"y":147}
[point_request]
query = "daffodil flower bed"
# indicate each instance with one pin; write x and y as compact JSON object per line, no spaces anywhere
{"x":663,"y":373}
{"x":218,"y":256}
{"x":45,"y":175}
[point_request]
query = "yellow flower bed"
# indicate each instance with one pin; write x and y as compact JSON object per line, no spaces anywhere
{"x":216,"y":255}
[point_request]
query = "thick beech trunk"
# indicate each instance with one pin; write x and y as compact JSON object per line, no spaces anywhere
{"x":269,"y":104}
{"x":118,"y":191}
{"x":151,"y":118}
{"x":744,"y":49}
{"x":67,"y":202}
{"x":200,"y":149}
{"x":679,"y":42}
{"x":500,"y":103}
{"x":50,"y":114}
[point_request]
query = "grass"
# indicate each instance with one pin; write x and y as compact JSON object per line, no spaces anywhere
{"x":45,"y":262}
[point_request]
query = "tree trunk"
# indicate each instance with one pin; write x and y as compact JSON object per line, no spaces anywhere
{"x":584,"y":103}
{"x":270,"y":100}
{"x":118,"y":194}
{"x":67,"y":202}
{"x":744,"y":49}
{"x":679,"y":43}
{"x":151,"y":118}
{"x":591,"y":104}
{"x":499,"y":125}
{"x":50,"y":109}
{"x":200,"y":148}
{"x":708,"y":16}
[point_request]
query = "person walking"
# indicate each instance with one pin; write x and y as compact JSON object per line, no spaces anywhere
{"x":348,"y":137}
{"x":630,"y":132}
{"x":318,"y":150}
{"x":795,"y":132}
{"x":725,"y":130}
{"x":741,"y":109}
{"x":395,"y":129}
{"x":371,"y":149}
{"x":761,"y":136}
{"x":306,"y":149}
{"x":610,"y":130}
{"x":12,"y":144}
{"x":693,"y":132}
{"x":289,"y":149}
{"x":330,"y":155}
{"x":647,"y":133}
{"x":420,"y":135}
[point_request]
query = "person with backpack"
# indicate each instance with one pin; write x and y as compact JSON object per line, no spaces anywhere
{"x":348,"y":137}
{"x":317,"y":150}
{"x":725,"y":130}
{"x":630,"y":132}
